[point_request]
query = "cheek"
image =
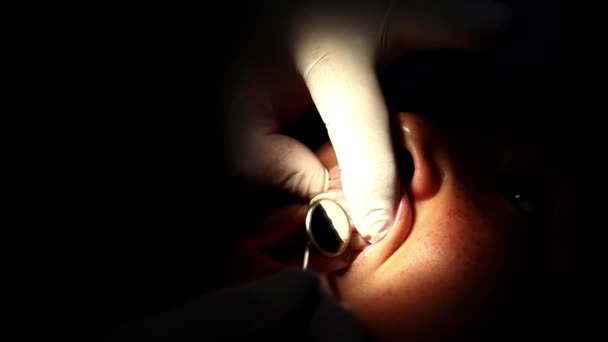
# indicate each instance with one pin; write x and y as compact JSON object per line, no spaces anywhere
{"x":445,"y":274}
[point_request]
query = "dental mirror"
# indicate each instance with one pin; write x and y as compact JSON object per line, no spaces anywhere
{"x":328,"y":227}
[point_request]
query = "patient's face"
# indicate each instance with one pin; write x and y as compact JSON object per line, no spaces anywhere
{"x":474,"y":201}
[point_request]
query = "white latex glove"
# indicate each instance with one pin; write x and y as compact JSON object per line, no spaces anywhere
{"x":326,"y":55}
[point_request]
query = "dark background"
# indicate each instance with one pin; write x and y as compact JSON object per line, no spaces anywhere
{"x":146,"y":213}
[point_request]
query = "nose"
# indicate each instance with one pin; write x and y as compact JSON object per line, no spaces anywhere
{"x":419,"y":137}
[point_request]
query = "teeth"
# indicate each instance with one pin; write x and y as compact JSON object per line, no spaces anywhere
{"x":335,"y":182}
{"x":336,"y":195}
{"x":327,"y":180}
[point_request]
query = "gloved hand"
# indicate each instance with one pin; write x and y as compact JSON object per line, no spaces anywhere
{"x":325,"y":54}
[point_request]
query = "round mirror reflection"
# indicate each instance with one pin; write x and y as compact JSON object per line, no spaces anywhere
{"x":328,"y":227}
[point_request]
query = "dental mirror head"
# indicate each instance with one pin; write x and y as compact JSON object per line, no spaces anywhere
{"x":328,"y":227}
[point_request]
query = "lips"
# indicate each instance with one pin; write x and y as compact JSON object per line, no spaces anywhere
{"x":359,"y":249}
{"x":281,"y":244}
{"x":376,"y":254}
{"x":279,"y":241}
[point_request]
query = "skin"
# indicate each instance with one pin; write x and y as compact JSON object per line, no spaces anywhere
{"x":464,"y":254}
{"x":458,"y":243}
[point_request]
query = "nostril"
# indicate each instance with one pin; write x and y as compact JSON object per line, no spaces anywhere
{"x":405,"y":165}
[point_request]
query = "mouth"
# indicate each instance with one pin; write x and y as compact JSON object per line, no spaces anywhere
{"x":283,"y":245}
{"x":288,"y":243}
{"x":358,"y":247}
{"x":374,"y":255}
